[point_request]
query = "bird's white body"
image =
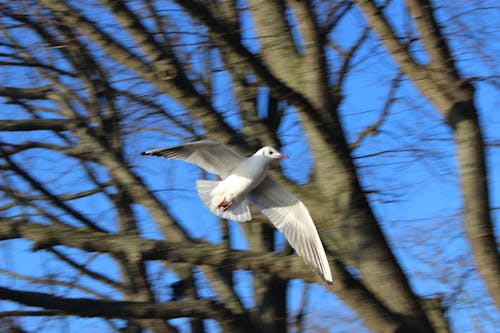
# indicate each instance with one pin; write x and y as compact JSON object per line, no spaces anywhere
{"x":247,"y":176}
{"x":246,"y":179}
{"x":227,"y":198}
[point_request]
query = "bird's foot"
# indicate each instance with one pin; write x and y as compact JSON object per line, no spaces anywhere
{"x":224,"y":205}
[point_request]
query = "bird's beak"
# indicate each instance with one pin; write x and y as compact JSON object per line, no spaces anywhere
{"x":282,"y":156}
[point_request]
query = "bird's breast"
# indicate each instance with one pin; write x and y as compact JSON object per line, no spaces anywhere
{"x":244,"y":179}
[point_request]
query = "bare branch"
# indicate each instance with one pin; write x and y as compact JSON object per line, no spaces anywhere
{"x":86,"y":271}
{"x":374,"y":128}
{"x":280,"y":89}
{"x":54,"y":282}
{"x":179,"y":87}
{"x":26,"y":93}
{"x":50,"y":196}
{"x":85,"y":307}
{"x":40,"y":124}
{"x":137,"y":248}
{"x":49,"y":313}
{"x":338,"y":11}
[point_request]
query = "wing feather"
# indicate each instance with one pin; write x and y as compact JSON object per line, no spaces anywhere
{"x":210,"y":155}
{"x":291,"y":217}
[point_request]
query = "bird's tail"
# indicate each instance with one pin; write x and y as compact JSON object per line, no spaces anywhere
{"x":239,"y":211}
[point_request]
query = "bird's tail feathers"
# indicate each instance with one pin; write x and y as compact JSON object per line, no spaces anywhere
{"x":239,"y":211}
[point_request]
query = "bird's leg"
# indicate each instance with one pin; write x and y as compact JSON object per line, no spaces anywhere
{"x":221,"y":204}
{"x":225,"y":205}
{"x":228,"y":205}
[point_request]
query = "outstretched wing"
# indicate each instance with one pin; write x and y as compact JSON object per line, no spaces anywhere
{"x":210,"y":155}
{"x":290,"y":216}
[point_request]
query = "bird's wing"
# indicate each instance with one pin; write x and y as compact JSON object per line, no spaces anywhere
{"x":290,"y":216}
{"x":210,"y":155}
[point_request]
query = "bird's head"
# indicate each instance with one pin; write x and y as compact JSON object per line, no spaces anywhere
{"x":270,"y":152}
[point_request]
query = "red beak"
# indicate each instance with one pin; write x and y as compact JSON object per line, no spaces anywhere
{"x":282,"y":156}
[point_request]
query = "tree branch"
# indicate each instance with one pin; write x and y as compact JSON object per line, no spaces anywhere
{"x":85,"y":271}
{"x":25,"y":93}
{"x":41,"y":124}
{"x":161,"y":59}
{"x":49,"y":313}
{"x":374,"y":128}
{"x":50,"y":196}
{"x":179,"y":87}
{"x":137,"y":248}
{"x":279,"y":88}
{"x":431,"y":37}
{"x":52,"y":281}
{"x":85,"y":307}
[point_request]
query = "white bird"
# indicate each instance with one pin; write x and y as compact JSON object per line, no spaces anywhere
{"x":245,"y":179}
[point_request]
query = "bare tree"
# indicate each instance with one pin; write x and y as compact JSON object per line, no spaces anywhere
{"x":439,"y":80}
{"x":88,"y":86}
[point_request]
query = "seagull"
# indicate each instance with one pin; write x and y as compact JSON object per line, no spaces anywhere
{"x":245,"y":180}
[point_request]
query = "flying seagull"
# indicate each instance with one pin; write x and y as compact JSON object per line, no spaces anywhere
{"x":245,"y":179}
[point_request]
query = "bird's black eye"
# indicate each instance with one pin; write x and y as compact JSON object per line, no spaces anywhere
{"x":271,"y":152}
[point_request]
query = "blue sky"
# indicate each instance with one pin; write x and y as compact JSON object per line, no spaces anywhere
{"x":415,"y":184}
